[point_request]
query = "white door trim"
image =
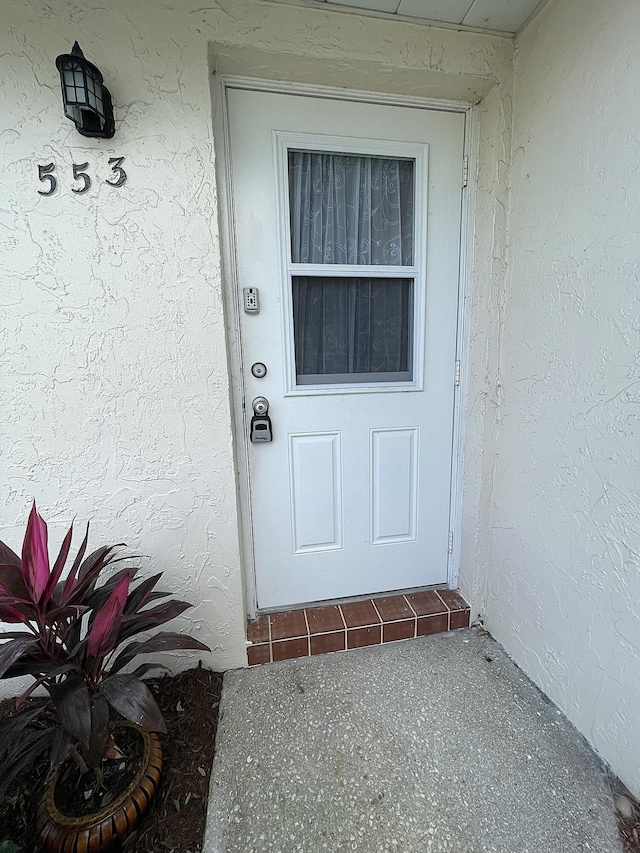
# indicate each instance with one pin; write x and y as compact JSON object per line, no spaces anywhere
{"x":240,"y":418}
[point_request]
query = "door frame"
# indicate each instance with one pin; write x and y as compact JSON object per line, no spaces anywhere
{"x":220,"y":85}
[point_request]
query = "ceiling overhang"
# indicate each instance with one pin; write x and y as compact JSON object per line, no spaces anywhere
{"x":494,"y":17}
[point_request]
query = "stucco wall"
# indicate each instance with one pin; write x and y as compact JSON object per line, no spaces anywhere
{"x":114,"y":401}
{"x":480,"y":387}
{"x":564,"y":577}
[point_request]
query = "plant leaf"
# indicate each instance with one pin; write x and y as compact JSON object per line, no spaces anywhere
{"x":71,"y":699}
{"x":59,"y":614}
{"x":8,"y":556}
{"x":94,"y":559}
{"x":24,"y":752}
{"x":60,"y":670}
{"x":98,"y":596}
{"x":74,"y":638}
{"x":35,"y":556}
{"x":90,"y":570}
{"x":33,"y":665}
{"x":60,"y":747}
{"x":148,"y":619}
{"x":106,"y":624}
{"x":144,"y":668}
{"x":58,"y":566}
{"x":11,"y":581}
{"x":138,"y":597}
{"x":77,"y":651}
{"x":99,"y":729}
{"x":11,"y":727}
{"x":12,"y":650}
{"x":74,"y":568}
{"x":14,"y":610}
{"x":132,"y":698}
{"x":162,"y":642}
{"x":91,"y":581}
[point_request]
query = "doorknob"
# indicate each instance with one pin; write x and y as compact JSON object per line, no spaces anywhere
{"x":260,"y":405}
{"x":260,"y":429}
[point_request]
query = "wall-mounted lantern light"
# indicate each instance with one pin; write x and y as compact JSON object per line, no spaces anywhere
{"x":86,"y":101}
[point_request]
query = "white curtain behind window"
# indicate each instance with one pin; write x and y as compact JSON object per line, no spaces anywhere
{"x":348,"y":326}
{"x":347,"y":209}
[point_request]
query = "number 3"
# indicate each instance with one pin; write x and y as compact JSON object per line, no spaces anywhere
{"x":119,"y":171}
{"x":44,"y":175}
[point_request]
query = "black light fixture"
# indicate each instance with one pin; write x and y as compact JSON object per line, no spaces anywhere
{"x":86,"y":100}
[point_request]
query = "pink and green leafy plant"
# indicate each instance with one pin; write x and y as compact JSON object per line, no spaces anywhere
{"x":75,"y":642}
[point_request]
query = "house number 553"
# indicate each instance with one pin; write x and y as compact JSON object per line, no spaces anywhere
{"x":47,"y":176}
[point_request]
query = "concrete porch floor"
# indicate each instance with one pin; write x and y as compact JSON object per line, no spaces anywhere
{"x":435,"y":744}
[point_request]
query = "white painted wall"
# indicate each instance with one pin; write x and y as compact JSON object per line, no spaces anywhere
{"x":480,"y":390}
{"x":114,"y":403}
{"x":114,"y":392}
{"x":564,"y":562}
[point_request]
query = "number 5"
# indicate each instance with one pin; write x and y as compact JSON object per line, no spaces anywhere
{"x":44,"y":175}
{"x":77,"y":174}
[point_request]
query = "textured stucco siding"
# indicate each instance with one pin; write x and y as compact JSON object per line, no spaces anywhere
{"x":115,"y":390}
{"x":114,"y":403}
{"x":564,"y":561}
{"x":480,"y":399}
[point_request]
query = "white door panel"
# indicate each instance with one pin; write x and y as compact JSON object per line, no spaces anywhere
{"x":352,"y":495}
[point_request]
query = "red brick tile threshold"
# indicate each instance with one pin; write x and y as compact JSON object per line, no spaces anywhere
{"x":381,"y":619}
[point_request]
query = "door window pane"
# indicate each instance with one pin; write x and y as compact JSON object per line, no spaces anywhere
{"x":348,"y":209}
{"x":352,"y":329}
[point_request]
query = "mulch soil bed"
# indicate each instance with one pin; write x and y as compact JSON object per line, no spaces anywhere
{"x":630,"y":832}
{"x":628,"y":817}
{"x":176,"y":821}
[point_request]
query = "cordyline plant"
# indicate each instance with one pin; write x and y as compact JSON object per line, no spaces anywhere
{"x":72,"y":645}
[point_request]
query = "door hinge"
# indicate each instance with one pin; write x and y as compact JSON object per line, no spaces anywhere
{"x":457,"y":377}
{"x":451,"y":541}
{"x":465,"y":172}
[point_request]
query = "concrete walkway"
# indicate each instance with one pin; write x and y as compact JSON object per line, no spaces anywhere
{"x":431,"y":745}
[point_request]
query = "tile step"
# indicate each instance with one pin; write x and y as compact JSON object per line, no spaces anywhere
{"x":317,"y":630}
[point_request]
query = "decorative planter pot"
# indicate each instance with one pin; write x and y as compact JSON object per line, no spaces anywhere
{"x":92,"y":833}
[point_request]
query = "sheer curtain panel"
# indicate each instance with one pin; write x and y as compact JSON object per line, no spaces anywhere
{"x":347,"y":209}
{"x":352,"y":326}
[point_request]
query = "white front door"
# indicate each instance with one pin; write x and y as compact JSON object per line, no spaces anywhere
{"x":347,"y":222}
